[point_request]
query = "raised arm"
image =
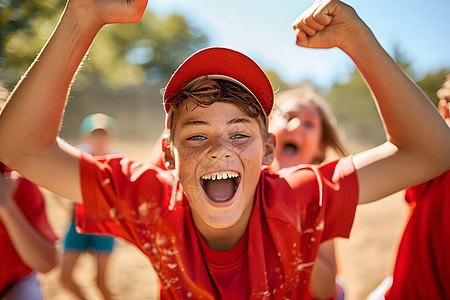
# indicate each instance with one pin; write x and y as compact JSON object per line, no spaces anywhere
{"x":30,"y":122}
{"x":418,"y":140}
{"x":34,"y":249}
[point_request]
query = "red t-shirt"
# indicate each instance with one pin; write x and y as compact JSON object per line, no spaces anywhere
{"x":293,"y":212}
{"x":422,"y":268}
{"x":31,"y":202}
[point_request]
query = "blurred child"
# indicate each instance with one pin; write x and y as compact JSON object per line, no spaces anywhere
{"x":422,"y":267}
{"x":217,"y":225}
{"x":27,"y":242}
{"x":305,"y":130}
{"x":98,"y":134}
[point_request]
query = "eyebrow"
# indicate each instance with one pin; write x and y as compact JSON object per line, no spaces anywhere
{"x":194,"y":123}
{"x":205,"y":123}
{"x":239,"y":120}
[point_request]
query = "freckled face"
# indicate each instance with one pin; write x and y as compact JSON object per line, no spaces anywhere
{"x":218,"y":155}
{"x":298,"y":130}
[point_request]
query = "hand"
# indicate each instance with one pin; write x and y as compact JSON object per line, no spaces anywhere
{"x":7,"y":186}
{"x":328,"y":24}
{"x":102,"y":12}
{"x":444,"y":109}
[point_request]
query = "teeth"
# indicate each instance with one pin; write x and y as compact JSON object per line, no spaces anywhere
{"x":220,"y":175}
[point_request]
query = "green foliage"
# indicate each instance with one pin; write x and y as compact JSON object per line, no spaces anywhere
{"x":277,"y":82}
{"x":148,"y":51}
{"x":355,"y":111}
{"x":431,"y":83}
{"x":24,"y":27}
{"x":154,"y":47}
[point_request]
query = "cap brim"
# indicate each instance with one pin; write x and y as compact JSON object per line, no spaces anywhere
{"x":223,"y":62}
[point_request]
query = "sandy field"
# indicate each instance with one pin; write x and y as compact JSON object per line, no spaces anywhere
{"x":364,"y":260}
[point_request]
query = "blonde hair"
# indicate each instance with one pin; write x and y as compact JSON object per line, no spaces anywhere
{"x":307,"y":94}
{"x":444,"y":91}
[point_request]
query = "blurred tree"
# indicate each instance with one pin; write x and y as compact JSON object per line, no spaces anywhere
{"x":402,"y":59}
{"x":148,"y":51}
{"x":432,"y":82}
{"x":277,"y":82}
{"x":24,"y":27}
{"x":356,"y":112}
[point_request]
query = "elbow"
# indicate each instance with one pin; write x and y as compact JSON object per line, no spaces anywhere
{"x":47,"y":261}
{"x":50,"y":262}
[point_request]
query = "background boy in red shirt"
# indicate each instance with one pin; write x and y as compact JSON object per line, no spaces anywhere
{"x":27,"y":242}
{"x":217,"y":226}
{"x":422,"y":267}
{"x":98,"y":132}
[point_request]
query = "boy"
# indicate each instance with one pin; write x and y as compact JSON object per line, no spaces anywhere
{"x":27,"y":241}
{"x":429,"y":213}
{"x":98,"y":134}
{"x":217,"y":226}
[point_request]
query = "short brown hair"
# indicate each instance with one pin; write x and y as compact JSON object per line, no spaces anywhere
{"x":205,"y":92}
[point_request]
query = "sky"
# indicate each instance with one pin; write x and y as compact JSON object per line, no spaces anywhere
{"x":262,"y":29}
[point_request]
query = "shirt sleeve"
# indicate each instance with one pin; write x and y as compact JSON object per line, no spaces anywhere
{"x":315,"y":198}
{"x":118,"y":194}
{"x":340,"y":197}
{"x":31,"y":202}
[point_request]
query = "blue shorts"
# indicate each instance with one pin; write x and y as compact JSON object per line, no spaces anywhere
{"x":80,"y":242}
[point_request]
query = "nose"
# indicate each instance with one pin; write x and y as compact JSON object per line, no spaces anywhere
{"x":293,"y":124}
{"x":219,"y":149}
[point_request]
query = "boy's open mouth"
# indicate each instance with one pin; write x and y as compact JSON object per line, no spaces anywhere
{"x":220,"y":186}
{"x":290,"y":149}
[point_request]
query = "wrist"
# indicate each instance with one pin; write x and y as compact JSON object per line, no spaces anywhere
{"x":5,"y":203}
{"x":81,"y":20}
{"x":360,"y":40}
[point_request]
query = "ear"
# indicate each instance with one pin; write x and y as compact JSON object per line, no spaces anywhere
{"x":169,"y":160}
{"x":269,"y":149}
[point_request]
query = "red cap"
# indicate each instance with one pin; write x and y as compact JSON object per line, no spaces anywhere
{"x":222,"y":63}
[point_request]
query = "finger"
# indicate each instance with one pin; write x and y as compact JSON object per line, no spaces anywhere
{"x":301,"y":37}
{"x":323,"y":14}
{"x":306,"y":29}
{"x":307,"y":13}
{"x":299,"y":20}
{"x":444,"y":108}
{"x":314,"y":24}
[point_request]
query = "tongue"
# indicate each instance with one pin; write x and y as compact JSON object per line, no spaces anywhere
{"x":290,"y":149}
{"x":220,"y":190}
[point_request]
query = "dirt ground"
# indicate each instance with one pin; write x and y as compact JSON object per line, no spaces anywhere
{"x":364,"y":260}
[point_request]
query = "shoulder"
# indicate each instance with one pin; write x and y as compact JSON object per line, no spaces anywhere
{"x":313,"y":175}
{"x":434,"y":188}
{"x":28,"y":196}
{"x":120,"y":174}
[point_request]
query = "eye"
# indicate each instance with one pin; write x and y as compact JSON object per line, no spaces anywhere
{"x":196,"y":138}
{"x":308,"y":124}
{"x":239,"y":136}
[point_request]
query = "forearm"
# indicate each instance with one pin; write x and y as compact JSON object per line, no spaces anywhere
{"x":36,"y":105}
{"x":411,"y":121}
{"x":35,"y":250}
{"x":323,"y":277}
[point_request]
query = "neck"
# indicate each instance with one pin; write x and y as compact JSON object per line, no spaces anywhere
{"x":224,"y":239}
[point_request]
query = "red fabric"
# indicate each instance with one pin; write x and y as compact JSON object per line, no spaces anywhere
{"x":422,"y":268}
{"x":222,"y":61}
{"x":31,"y":202}
{"x":146,"y":206}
